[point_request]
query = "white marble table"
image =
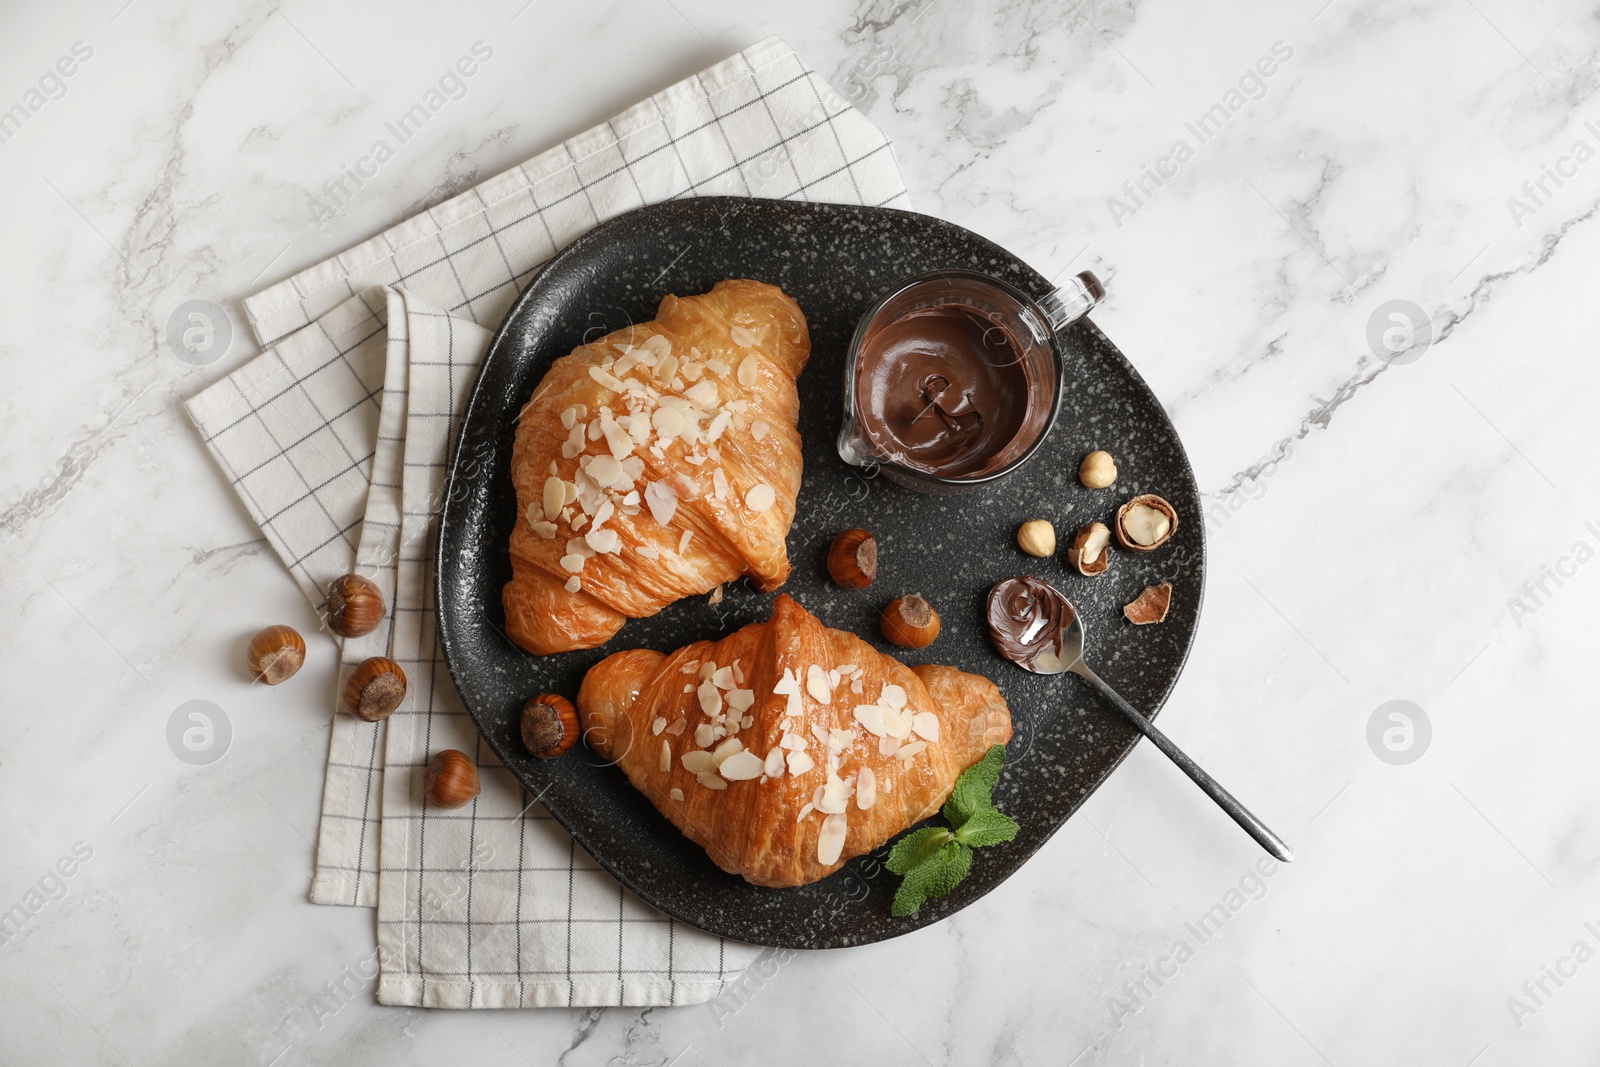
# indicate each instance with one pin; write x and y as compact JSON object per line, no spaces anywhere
{"x":1416,"y":530}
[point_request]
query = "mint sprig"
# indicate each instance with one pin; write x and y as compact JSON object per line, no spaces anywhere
{"x":933,"y":860}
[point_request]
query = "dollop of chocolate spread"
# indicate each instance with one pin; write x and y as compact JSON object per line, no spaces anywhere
{"x":1027,"y":618}
{"x":942,"y":389}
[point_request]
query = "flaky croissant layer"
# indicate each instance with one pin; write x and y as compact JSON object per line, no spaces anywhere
{"x":657,"y":463}
{"x":787,"y":747}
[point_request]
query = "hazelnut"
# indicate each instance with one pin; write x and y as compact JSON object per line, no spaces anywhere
{"x":1145,"y":523}
{"x":1037,"y":537}
{"x":355,"y":606}
{"x":853,"y":559}
{"x":549,"y":725}
{"x":1097,"y":470}
{"x":1151,"y":605}
{"x":1088,"y":552}
{"x":275,"y":654}
{"x":374,"y":689}
{"x":452,"y":780}
{"x":910,"y":622}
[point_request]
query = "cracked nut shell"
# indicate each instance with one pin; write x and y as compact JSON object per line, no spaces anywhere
{"x":1151,"y":605}
{"x":452,"y":780}
{"x":374,"y":689}
{"x":1145,"y":523}
{"x":355,"y":606}
{"x":910,"y":622}
{"x":275,"y":654}
{"x":853,"y":559}
{"x":549,"y":725}
{"x":1090,"y":553}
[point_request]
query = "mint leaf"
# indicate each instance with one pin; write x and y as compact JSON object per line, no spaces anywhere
{"x":986,"y":826}
{"x":916,"y":848}
{"x":933,"y":877}
{"x":972,"y":790}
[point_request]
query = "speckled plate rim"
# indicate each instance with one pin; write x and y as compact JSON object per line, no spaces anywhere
{"x":934,"y":911}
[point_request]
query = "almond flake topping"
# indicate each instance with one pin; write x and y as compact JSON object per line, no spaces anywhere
{"x":758,"y":429}
{"x":741,"y":767}
{"x":866,"y":789}
{"x":761,"y":497}
{"x":666,"y":757}
{"x":739,"y":700}
{"x":710,"y":698}
{"x":870,"y":716}
{"x":742,"y":337}
{"x":574,"y":584}
{"x":893,"y":696}
{"x":677,"y":794}
{"x":830,"y":842}
{"x":710,"y":780}
{"x":749,"y":369}
{"x":546,"y":530}
{"x":800,"y":763}
{"x":817,"y":685}
{"x":695,"y":762}
{"x":659,"y":724}
{"x":907,"y":751}
{"x":925,"y":724}
{"x":772,"y":767}
{"x":607,"y":379}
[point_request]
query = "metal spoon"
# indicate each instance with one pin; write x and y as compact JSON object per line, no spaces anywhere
{"x":1036,"y":627}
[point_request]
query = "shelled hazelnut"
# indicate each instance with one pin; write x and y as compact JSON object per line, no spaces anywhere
{"x":853,"y":559}
{"x":452,"y":780}
{"x":1037,"y":538}
{"x":1097,"y":470}
{"x":275,"y":654}
{"x":910,"y":622}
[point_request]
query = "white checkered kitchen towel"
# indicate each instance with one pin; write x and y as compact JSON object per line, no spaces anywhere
{"x":336,"y":439}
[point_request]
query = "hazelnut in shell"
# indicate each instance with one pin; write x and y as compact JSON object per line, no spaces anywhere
{"x":1145,"y":523}
{"x":1037,"y":538}
{"x":1088,"y":554}
{"x":1151,"y":605}
{"x":853,"y":559}
{"x":374,"y":689}
{"x":355,"y":606}
{"x":549,"y":725}
{"x":910,"y":622}
{"x":1097,"y":470}
{"x":275,"y":654}
{"x":452,"y":779}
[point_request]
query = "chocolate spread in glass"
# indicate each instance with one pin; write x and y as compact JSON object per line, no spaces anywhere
{"x":942,"y":389}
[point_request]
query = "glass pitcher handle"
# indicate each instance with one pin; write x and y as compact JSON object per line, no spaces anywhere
{"x":1072,"y":301}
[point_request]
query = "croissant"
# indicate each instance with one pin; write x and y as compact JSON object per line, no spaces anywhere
{"x":657,"y":463}
{"x":787,"y":747}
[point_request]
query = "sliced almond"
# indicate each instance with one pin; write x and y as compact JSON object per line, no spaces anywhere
{"x":830,"y":842}
{"x":696,"y":762}
{"x":866,"y":788}
{"x":908,"y":751}
{"x":761,"y":497}
{"x":711,"y":781}
{"x":817,"y":685}
{"x":800,"y":762}
{"x":925,"y":724}
{"x":742,"y":337}
{"x":741,"y":767}
{"x":666,"y":757}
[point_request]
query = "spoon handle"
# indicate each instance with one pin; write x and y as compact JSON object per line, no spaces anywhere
{"x":1225,"y":800}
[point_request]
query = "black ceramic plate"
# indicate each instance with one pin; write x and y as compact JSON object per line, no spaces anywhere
{"x":834,"y":261}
